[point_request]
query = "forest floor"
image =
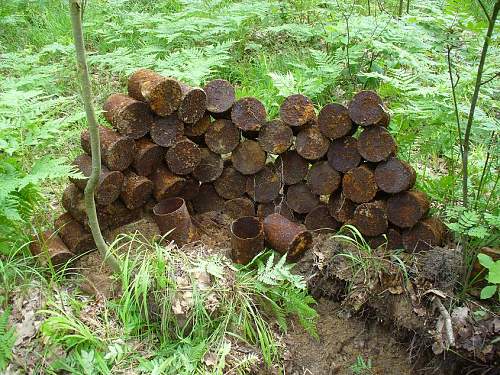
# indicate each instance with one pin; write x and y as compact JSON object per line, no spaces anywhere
{"x":395,"y":338}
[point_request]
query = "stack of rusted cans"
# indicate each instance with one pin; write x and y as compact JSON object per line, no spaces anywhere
{"x":170,"y":140}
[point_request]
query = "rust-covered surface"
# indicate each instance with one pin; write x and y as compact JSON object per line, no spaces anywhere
{"x":183,"y":157}
{"x":285,"y":236}
{"x":291,"y":167}
{"x":343,"y":154}
{"x":78,"y":239}
{"x":248,"y":114}
{"x":117,"y":151}
{"x":128,"y":116}
{"x":395,"y":175}
{"x":311,"y":144}
{"x":248,"y":158}
{"x":247,"y":239}
{"x":210,"y":167}
{"x":320,"y":219}
{"x":148,"y":156}
{"x":197,"y":128}
{"x":300,"y":199}
{"x":220,"y":96}
{"x":424,"y":235}
{"x":366,"y":108}
{"x":407,"y":208}
{"x":341,"y":208}
{"x":322,"y":179}
{"x":334,"y":121}
{"x":165,"y":131}
{"x":173,"y":219}
{"x":376,"y":144}
{"x":137,"y":190}
{"x":161,"y":93}
{"x":207,"y":199}
{"x":49,"y":248}
{"x":190,"y":189}
{"x":265,"y":186}
{"x":222,"y":137}
{"x":165,"y":183}
{"x":231,"y":184}
{"x":239,"y":207}
{"x":109,"y":185}
{"x":371,"y":218}
{"x":278,"y":206}
{"x":275,"y":137}
{"x":193,"y":104}
{"x":297,"y":110}
{"x":359,"y":184}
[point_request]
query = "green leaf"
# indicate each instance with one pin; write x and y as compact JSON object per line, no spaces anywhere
{"x":488,"y":291}
{"x":494,"y":274}
{"x":485,"y":260}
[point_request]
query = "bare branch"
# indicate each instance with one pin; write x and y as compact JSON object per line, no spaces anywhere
{"x":447,"y":321}
{"x":484,"y":10}
{"x":490,"y":79}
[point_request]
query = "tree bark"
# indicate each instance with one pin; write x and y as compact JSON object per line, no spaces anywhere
{"x":76,"y":21}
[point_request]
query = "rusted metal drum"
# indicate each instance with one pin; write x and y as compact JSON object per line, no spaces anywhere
{"x":247,"y":239}
{"x":172,"y":217}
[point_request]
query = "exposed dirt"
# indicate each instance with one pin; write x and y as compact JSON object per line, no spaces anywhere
{"x":343,"y":341}
{"x":377,"y":317}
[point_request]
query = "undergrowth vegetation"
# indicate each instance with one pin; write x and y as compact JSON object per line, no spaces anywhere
{"x":192,"y":312}
{"x":418,"y":60}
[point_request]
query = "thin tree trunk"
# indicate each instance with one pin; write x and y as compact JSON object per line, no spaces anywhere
{"x":76,"y":21}
{"x":400,"y":9}
{"x":465,"y":159}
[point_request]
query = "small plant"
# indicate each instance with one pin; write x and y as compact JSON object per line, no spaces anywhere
{"x":360,"y":367}
{"x":493,"y":276}
{"x":7,"y":340}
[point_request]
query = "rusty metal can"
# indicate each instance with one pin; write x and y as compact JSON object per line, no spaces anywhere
{"x":285,"y":236}
{"x":247,"y":239}
{"x":172,"y":217}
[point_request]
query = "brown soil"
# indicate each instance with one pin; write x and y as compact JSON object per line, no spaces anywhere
{"x":374,"y":317}
{"x":343,"y":340}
